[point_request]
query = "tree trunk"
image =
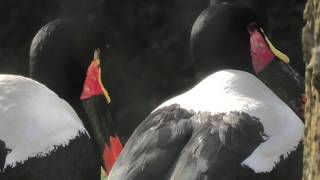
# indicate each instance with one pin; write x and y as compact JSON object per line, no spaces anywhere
{"x":311,"y":48}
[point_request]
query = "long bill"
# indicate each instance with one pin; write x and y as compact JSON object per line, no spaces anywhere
{"x":95,"y":100}
{"x":280,"y":55}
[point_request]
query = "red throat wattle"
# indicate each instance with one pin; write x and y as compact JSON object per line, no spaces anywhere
{"x":110,"y":154}
{"x":261,"y":54}
{"x":92,"y":86}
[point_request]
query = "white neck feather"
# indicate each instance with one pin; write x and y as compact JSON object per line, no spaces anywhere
{"x":232,"y":90}
{"x":33,"y":119}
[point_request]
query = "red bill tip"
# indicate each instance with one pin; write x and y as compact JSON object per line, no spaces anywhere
{"x":111,"y":153}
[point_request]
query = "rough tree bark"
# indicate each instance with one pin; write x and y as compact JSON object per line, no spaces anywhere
{"x":311,"y":48}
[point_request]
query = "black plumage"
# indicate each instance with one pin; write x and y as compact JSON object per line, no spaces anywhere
{"x":60,"y":53}
{"x":3,"y":153}
{"x":48,"y":138}
{"x":217,"y":144}
{"x":62,"y":49}
{"x":154,"y":145}
{"x":64,"y":162}
{"x":293,"y":96}
{"x":226,"y":140}
{"x":169,"y":144}
{"x":283,"y":22}
{"x":219,"y":40}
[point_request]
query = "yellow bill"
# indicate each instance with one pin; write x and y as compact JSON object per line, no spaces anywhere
{"x":280,"y":55}
{"x":97,"y":59}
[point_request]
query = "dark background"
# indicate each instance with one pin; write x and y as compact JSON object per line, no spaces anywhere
{"x":154,"y":22}
{"x":148,"y":59}
{"x":140,"y":23}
